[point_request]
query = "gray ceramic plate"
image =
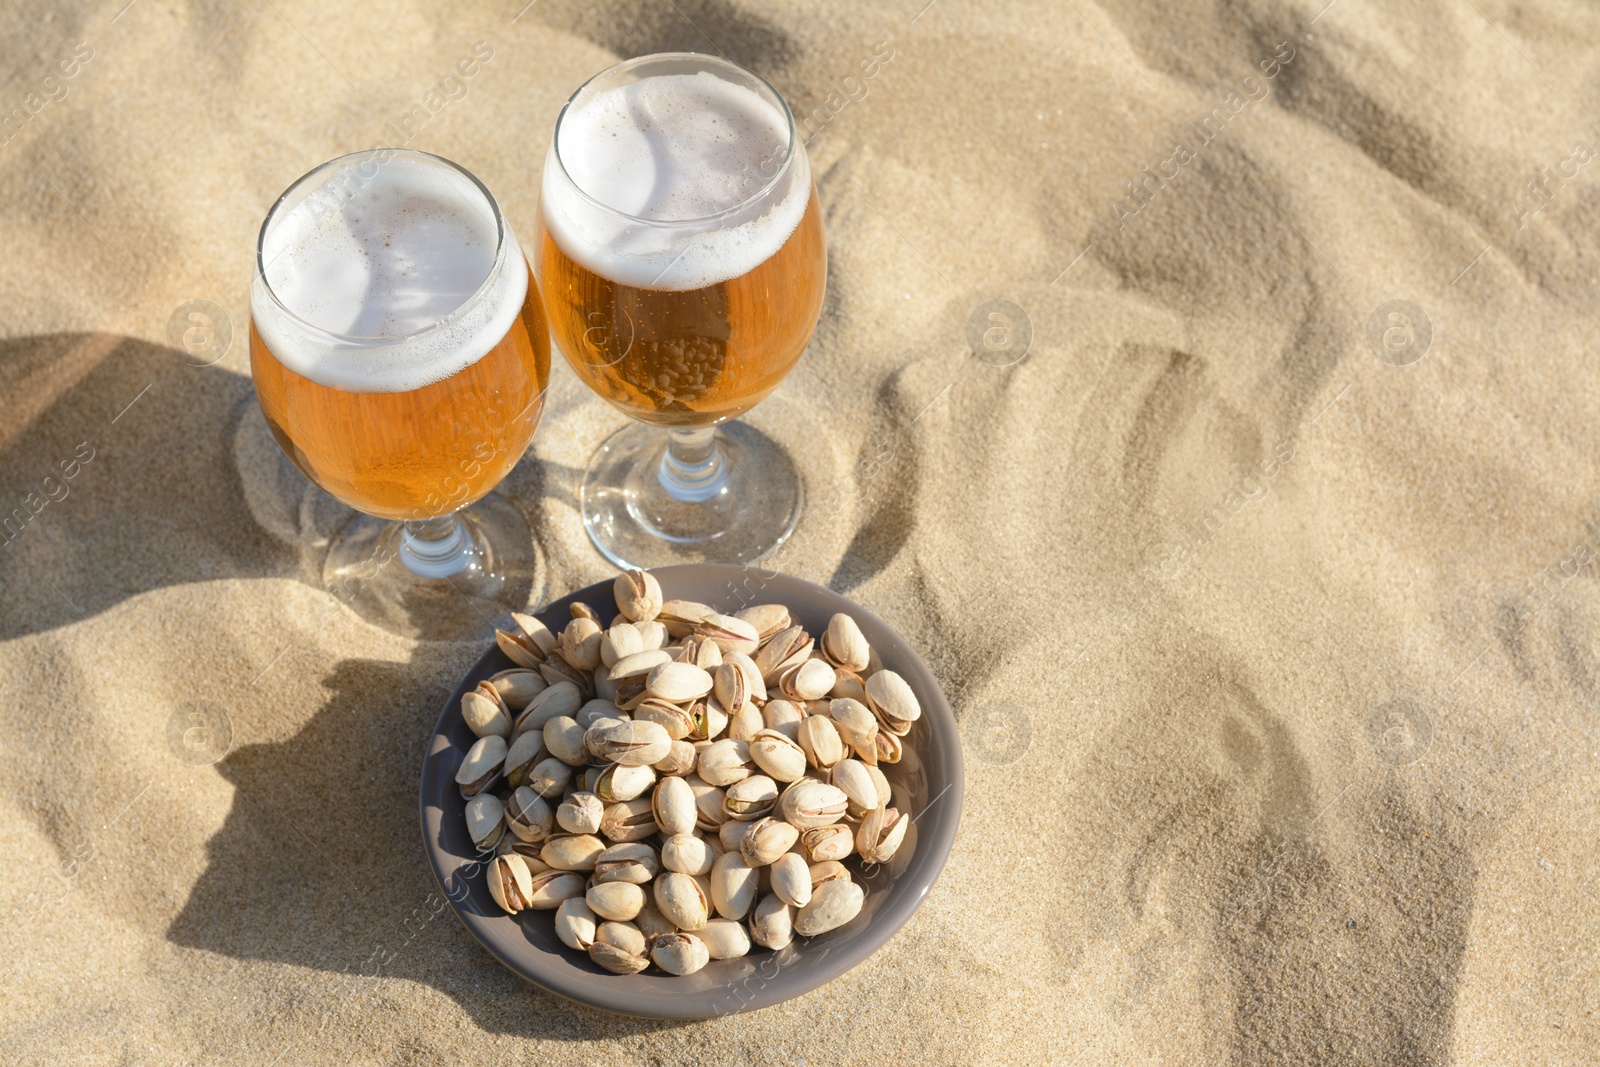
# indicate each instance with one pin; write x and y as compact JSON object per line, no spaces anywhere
{"x":927,"y":782}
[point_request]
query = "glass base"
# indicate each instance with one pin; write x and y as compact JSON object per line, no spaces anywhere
{"x":449,"y":579}
{"x":734,"y":506}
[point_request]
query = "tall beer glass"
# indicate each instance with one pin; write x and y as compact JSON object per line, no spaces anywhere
{"x":682,"y":262}
{"x":400,"y":354}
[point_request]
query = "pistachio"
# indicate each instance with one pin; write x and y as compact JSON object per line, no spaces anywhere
{"x":679,"y":760}
{"x":828,"y":871}
{"x":528,"y":850}
{"x":744,"y":724}
{"x":510,"y":883}
{"x":651,"y":923}
{"x":766,"y":841}
{"x":629,"y":820}
{"x":604,"y":688}
{"x":673,"y":718}
{"x":708,"y":718}
{"x":654,"y":633}
{"x":678,"y":683}
{"x":687,"y":854}
{"x":483,"y":765}
{"x":575,"y":924}
{"x":791,"y":879}
{"x":528,"y":815}
{"x":787,"y":649}
{"x":847,"y":685}
{"x":580,"y":813}
{"x":485,"y":820}
{"x":680,"y":616}
{"x":772,"y":924}
{"x":832,"y":904}
{"x":594,"y":735}
{"x":893,"y":702}
{"x":822,"y":843}
{"x":880,"y":834}
{"x":517,"y":686}
{"x":617,"y":960}
{"x":572,"y":852}
{"x":757,"y":689}
{"x":633,"y":744}
{"x":750,"y":798}
{"x":808,"y":680}
{"x":729,"y":684}
{"x":702,"y":652}
{"x":844,"y":644}
{"x":781,"y":758}
{"x":724,"y":762}
{"x":562,"y":698}
{"x":725,"y":939}
{"x":630,"y":861}
{"x":682,"y":901}
{"x":673,"y":806}
{"x":636,"y":663}
{"x":853,"y":780}
{"x":528,"y":644}
{"x":730,"y":833}
{"x":615,"y":900}
{"x":768,"y":619}
{"x":708,"y":803}
{"x":621,"y":934}
{"x":818,"y":737}
{"x":579,"y":644}
{"x":579,"y":610}
{"x":809,"y":803}
{"x":563,"y":738}
{"x":623,"y":639}
{"x":552,"y":886}
{"x":881,"y":784}
{"x":638,"y":595}
{"x":595,"y":710}
{"x":730,"y":633}
{"x":521,"y":756}
{"x":680,"y":953}
{"x":887,"y":746}
{"x":733,"y":885}
{"x":622,"y":782}
{"x":549,"y":777}
{"x":556,"y":670}
{"x":485,"y":712}
{"x":853,"y":719}
{"x":784,"y":717}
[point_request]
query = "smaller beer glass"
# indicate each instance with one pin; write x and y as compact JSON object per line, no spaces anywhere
{"x":400,"y":355}
{"x":682,"y":262}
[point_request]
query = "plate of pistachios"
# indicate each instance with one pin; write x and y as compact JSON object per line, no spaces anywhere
{"x":691,"y":791}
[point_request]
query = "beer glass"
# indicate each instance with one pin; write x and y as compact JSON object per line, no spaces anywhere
{"x":400,"y":355}
{"x":682,"y":263}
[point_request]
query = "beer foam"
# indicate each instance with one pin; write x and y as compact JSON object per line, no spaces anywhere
{"x":380,"y":251}
{"x":667,"y":149}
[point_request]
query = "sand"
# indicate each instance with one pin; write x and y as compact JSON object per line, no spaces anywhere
{"x":1274,"y":642}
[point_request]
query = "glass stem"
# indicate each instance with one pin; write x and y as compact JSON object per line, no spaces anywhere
{"x":692,"y":469}
{"x":436,"y":548}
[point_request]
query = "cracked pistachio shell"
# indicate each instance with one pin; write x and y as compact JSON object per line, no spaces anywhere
{"x":702,"y":652}
{"x":744,"y":724}
{"x":485,"y":712}
{"x":654,"y":633}
{"x":483,"y":765}
{"x":766,"y":841}
{"x":880,"y":835}
{"x":678,"y":683}
{"x":638,"y":664}
{"x":844,"y":644}
{"x":621,"y":782}
{"x":809,"y":803}
{"x":638,"y":595}
{"x":828,"y":871}
{"x":679,"y":616}
{"x":730,"y":686}
{"x":833,"y":903}
{"x":575,"y":924}
{"x":528,"y":815}
{"x":572,"y":852}
{"x":709,"y":719}
{"x":782,"y":651}
{"x":853,"y":719}
{"x":629,"y":820}
{"x":724,"y":762}
{"x":553,"y":886}
{"x":768,"y":619}
{"x":729,"y":632}
{"x":627,"y":861}
{"x":680,"y":953}
{"x":750,"y":798}
{"x":809,"y":680}
{"x":791,"y":879}
{"x":555,"y":670}
{"x":892,"y":700}
{"x":772,"y":923}
{"x":621,"y":640}
{"x":818,"y":737}
{"x":549,"y":777}
{"x":522,"y":755}
{"x":725,"y":939}
{"x":485,"y":820}
{"x":631,"y":743}
{"x":708,"y":803}
{"x":823,"y":843}
{"x":562,"y":698}
{"x":755,"y":687}
{"x":675,"y":719}
{"x":687,"y":854}
{"x":888,"y":747}
{"x":680,"y":760}
{"x":527,"y":643}
{"x":780,"y":757}
{"x":579,"y":643}
{"x":852,"y":778}
{"x":681,"y":899}
{"x":618,"y":901}
{"x":518,"y":686}
{"x":734,"y":884}
{"x":592,"y":729}
{"x":881,"y":784}
{"x":581,"y":813}
{"x":673,"y":806}
{"x":510,"y":883}
{"x":617,"y":960}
